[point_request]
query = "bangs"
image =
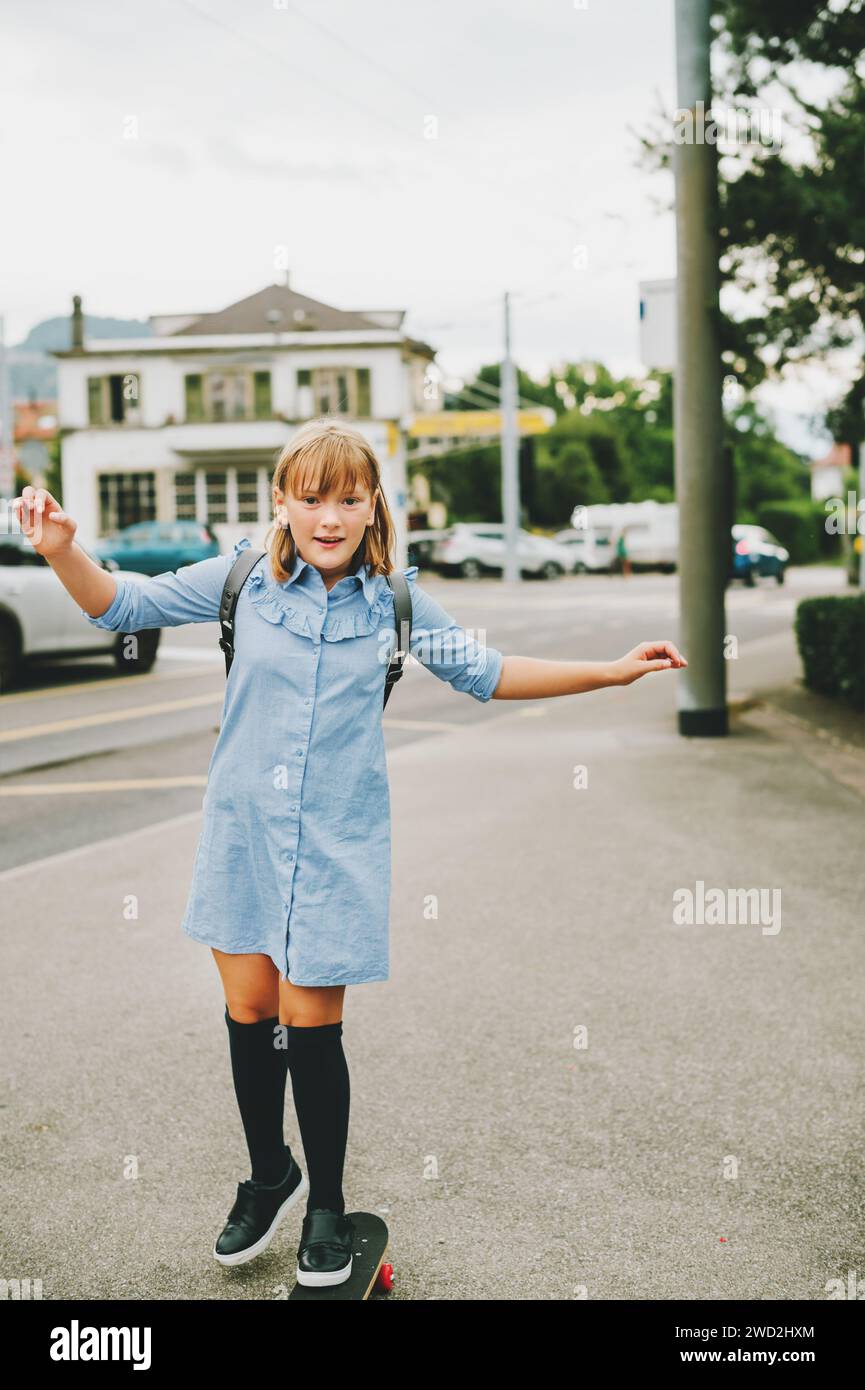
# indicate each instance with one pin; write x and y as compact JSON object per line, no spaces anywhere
{"x":328,"y":464}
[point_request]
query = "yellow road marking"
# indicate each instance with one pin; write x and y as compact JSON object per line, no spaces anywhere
{"x":115,"y":716}
{"x":123,"y":785}
{"x":55,"y":692}
{"x":425,"y":724}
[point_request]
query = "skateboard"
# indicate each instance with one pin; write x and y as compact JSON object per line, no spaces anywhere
{"x":368,"y":1273}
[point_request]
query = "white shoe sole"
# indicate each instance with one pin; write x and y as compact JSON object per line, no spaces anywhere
{"x":320,"y":1279}
{"x":241,"y":1256}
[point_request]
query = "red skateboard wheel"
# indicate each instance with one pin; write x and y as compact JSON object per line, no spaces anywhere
{"x":384,"y":1280}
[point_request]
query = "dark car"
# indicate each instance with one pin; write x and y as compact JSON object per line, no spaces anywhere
{"x":152,"y":547}
{"x":756,"y":553}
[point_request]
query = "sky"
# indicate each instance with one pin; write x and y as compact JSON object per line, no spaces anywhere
{"x":173,"y":156}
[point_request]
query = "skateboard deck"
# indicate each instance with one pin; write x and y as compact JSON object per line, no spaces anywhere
{"x":368,"y":1273}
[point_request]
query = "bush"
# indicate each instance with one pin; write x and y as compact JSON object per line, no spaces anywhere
{"x":801,"y":527}
{"x":831,"y":637}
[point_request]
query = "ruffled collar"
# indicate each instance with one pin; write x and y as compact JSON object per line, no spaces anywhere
{"x":281,"y":603}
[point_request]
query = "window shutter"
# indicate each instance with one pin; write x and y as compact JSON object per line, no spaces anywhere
{"x":364,"y":407}
{"x":94,"y":400}
{"x":261,"y":395}
{"x":194,"y":397}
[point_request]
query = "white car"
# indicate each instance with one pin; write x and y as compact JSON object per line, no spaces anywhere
{"x":590,"y":547}
{"x":472,"y":548}
{"x":39,"y":620}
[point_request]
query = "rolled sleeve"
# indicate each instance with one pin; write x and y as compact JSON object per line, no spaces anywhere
{"x":108,"y":618}
{"x":452,"y":653}
{"x":191,"y":595}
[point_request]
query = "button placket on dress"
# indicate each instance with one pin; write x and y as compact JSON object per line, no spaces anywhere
{"x":290,"y":856}
{"x":303,"y":861}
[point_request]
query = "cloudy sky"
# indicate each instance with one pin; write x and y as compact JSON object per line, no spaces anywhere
{"x":168,"y":156}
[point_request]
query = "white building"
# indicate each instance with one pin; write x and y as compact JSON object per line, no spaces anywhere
{"x":828,"y":472}
{"x":189,"y":422}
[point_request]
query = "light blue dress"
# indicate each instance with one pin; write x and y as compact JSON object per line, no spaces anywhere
{"x":294,"y":855}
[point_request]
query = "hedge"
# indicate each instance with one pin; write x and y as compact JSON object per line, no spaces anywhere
{"x":800,"y":526}
{"x":831,"y":637}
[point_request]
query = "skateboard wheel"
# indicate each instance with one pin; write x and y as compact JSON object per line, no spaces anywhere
{"x":384,"y":1279}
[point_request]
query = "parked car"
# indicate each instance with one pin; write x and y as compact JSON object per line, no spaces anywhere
{"x":756,"y":552}
{"x":472,"y":549}
{"x":591,"y":548}
{"x":39,"y":620}
{"x":420,"y":547}
{"x":153,"y":547}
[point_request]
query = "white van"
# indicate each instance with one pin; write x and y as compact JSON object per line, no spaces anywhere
{"x":650,"y":529}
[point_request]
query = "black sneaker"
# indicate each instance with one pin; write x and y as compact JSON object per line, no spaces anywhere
{"x":325,"y":1252}
{"x":256,"y":1214}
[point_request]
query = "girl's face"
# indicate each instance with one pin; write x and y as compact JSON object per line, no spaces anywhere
{"x":327,"y":527}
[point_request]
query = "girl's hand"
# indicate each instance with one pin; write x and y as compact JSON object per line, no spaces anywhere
{"x":648,"y":656}
{"x":48,"y":528}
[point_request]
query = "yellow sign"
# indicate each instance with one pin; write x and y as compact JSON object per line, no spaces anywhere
{"x":458,"y":424}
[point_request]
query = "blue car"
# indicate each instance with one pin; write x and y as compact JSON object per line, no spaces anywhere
{"x":152,"y":547}
{"x":757,"y":553}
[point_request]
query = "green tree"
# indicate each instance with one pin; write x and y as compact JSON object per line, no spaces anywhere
{"x":792,"y":218}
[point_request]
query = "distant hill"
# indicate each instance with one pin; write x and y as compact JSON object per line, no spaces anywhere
{"x":33,"y":374}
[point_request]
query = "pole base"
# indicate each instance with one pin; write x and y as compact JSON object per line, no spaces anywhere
{"x":703,"y":723}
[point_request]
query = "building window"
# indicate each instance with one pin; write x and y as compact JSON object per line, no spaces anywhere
{"x":217,"y":495}
{"x":247,"y":494}
{"x":261,"y":395}
{"x":194,"y":397}
{"x":115,"y":399}
{"x":184,"y":496}
{"x":334,"y":391}
{"x":125,"y":498}
{"x":231,"y":395}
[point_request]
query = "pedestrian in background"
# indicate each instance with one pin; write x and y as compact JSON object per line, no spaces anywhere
{"x":622,"y":554}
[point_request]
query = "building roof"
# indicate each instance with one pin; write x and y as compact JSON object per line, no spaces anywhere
{"x":35,"y":419}
{"x":839,"y":456}
{"x":296,"y":313}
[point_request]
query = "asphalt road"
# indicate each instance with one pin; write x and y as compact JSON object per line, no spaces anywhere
{"x":86,"y":754}
{"x":560,"y":1092}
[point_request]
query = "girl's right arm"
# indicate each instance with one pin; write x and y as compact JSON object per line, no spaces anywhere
{"x":192,"y":595}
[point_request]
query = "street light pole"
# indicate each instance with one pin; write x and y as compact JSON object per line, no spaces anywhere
{"x":510,"y":454}
{"x":701,"y":491}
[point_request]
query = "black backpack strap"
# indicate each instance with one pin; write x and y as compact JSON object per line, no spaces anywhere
{"x":234,"y":582}
{"x":402,"y":622}
{"x":240,"y":572}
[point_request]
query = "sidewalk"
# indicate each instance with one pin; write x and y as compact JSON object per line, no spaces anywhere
{"x":705,"y":1143}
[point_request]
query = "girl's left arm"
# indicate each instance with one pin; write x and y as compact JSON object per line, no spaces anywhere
{"x":455,"y":655}
{"x":531,"y":678}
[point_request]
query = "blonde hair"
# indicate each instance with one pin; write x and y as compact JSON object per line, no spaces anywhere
{"x":321,"y":456}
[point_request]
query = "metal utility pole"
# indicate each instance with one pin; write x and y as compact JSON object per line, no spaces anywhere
{"x":701,"y":487}
{"x":510,"y":453}
{"x":7,"y":442}
{"x":859,"y":516}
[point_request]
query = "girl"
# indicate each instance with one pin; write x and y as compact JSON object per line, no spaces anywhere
{"x":291,"y":880}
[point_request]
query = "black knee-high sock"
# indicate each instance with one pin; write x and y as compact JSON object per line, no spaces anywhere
{"x":260,"y":1067}
{"x":319,"y":1081}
